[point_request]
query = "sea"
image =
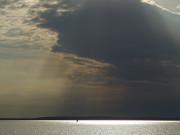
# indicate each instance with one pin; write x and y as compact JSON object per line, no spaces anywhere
{"x":84,"y":127}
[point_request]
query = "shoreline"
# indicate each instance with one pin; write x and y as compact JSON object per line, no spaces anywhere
{"x":98,"y":118}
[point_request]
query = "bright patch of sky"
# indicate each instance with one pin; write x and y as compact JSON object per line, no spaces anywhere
{"x":18,"y":32}
{"x":172,"y":6}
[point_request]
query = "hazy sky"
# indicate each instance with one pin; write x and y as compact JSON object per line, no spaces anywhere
{"x":89,"y":58}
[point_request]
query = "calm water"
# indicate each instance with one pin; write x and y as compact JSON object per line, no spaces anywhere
{"x":49,"y":127}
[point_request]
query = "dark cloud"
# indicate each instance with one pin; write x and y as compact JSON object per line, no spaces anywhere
{"x":131,"y":35}
{"x":115,"y":32}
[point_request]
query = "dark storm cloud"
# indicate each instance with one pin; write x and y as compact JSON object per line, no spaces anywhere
{"x":115,"y":32}
{"x":131,"y":35}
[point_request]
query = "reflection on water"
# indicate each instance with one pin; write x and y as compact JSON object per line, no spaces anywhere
{"x":83,"y":127}
{"x":111,"y":122}
{"x":114,"y":122}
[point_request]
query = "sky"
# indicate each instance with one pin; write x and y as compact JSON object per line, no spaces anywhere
{"x":89,"y":58}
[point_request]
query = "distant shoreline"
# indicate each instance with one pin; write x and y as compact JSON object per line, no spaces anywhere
{"x":97,"y":118}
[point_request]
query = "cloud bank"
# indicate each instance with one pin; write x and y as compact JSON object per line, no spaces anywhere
{"x":130,"y":35}
{"x":108,"y":57}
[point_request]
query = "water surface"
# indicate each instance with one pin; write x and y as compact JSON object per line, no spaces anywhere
{"x":56,"y":127}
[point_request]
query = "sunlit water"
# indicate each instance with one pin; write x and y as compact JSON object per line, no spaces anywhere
{"x":51,"y":127}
